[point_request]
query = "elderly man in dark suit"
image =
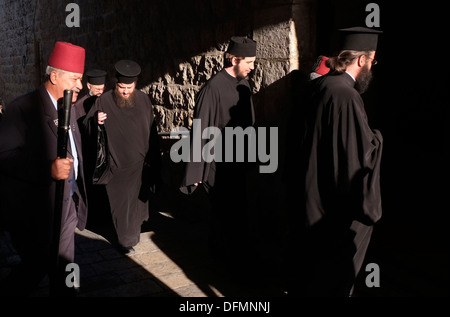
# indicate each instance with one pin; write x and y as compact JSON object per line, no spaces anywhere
{"x":30,"y":168}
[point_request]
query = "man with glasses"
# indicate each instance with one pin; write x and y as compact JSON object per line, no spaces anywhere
{"x":340,"y":170}
{"x":96,"y":85}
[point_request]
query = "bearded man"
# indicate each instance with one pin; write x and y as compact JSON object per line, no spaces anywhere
{"x":225,"y":100}
{"x":127,"y":117}
{"x":340,"y":169}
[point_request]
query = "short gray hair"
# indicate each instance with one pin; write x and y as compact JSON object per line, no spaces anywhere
{"x":50,"y":69}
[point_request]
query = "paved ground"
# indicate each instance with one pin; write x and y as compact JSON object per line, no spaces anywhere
{"x":171,"y":260}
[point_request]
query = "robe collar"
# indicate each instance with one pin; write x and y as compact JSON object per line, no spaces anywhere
{"x":232,"y":79}
{"x":351,"y":76}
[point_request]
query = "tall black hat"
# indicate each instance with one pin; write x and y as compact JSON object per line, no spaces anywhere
{"x":96,"y":76}
{"x":359,"y":39}
{"x":127,"y":71}
{"x":242,"y":47}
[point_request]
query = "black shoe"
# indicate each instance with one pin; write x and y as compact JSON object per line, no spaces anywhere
{"x":127,"y":250}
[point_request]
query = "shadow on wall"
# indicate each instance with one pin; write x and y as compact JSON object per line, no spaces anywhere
{"x":159,"y":35}
{"x":179,"y":44}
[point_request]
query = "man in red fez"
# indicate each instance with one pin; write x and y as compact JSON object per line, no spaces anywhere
{"x":30,"y":168}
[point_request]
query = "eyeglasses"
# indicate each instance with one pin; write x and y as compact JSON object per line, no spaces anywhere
{"x":368,"y":59}
{"x":373,"y":61}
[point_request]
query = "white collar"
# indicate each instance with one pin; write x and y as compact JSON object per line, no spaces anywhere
{"x":351,"y":76}
{"x":53,"y":100}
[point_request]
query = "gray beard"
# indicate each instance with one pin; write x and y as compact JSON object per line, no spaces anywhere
{"x":122,"y":103}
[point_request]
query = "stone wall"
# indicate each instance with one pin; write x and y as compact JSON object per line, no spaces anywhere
{"x":179,"y":44}
{"x":17,"y":51}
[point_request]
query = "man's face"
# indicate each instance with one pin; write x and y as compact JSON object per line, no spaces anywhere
{"x":365,"y":75}
{"x":244,"y":67}
{"x":95,"y":90}
{"x":125,"y":90}
{"x":66,"y":80}
{"x":124,"y":95}
{"x":370,"y":60}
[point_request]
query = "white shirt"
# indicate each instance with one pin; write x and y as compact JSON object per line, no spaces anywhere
{"x":351,"y":76}
{"x":72,"y":142}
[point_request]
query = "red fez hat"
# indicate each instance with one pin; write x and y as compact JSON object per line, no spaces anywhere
{"x":323,"y":69}
{"x":320,"y":65}
{"x":68,"y":57}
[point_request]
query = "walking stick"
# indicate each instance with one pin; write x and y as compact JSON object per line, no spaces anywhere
{"x":63,"y":136}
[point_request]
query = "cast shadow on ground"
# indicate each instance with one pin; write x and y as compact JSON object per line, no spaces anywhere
{"x":105,"y":272}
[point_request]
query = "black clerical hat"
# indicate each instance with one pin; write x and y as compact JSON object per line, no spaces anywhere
{"x":127,"y":71}
{"x":96,"y":76}
{"x":359,"y":39}
{"x":242,"y":47}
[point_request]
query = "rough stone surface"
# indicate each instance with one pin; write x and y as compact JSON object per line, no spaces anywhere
{"x":179,"y":44}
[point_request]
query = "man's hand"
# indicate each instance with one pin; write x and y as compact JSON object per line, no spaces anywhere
{"x":61,"y":168}
{"x":101,"y":117}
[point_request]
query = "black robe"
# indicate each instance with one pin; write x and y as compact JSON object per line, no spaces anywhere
{"x":82,"y":107}
{"x":128,"y":133}
{"x":340,"y":184}
{"x":224,"y":101}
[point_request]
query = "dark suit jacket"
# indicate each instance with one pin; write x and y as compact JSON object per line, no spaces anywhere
{"x":28,"y":145}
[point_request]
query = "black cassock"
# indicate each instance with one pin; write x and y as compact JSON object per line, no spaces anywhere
{"x":340,"y":182}
{"x":224,"y":101}
{"x":128,"y":133}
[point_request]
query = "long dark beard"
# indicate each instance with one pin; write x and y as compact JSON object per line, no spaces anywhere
{"x":363,"y":80}
{"x":122,"y":102}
